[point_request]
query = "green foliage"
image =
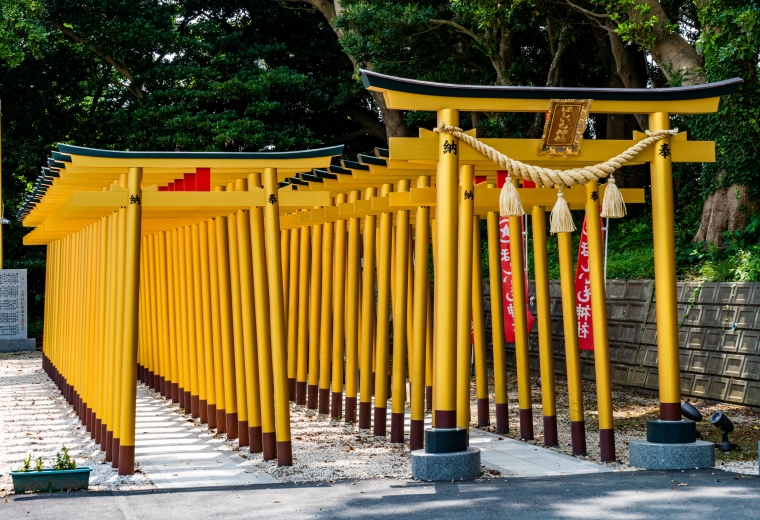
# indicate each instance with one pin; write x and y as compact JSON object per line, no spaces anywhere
{"x":27,"y":464}
{"x":63,"y":460}
{"x":38,"y":465}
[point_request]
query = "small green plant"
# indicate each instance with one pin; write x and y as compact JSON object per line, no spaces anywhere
{"x":63,"y":460}
{"x":38,"y":466}
{"x":27,"y":464}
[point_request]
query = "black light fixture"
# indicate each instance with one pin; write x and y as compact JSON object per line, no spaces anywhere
{"x":724,"y":424}
{"x":689,"y":411}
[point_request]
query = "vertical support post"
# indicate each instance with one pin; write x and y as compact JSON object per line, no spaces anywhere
{"x":479,"y":328}
{"x":277,"y":315}
{"x":326,"y":318}
{"x":367,"y":319}
{"x":400,"y":301}
{"x":382,"y":340}
{"x":315,"y":301}
{"x":521,"y":328}
{"x":466,"y":199}
{"x":129,"y":346}
{"x":543,"y":305}
{"x":302,"y":352}
{"x":421,"y":303}
{"x":295,"y":243}
{"x":665,"y":274}
{"x":340,"y":309}
{"x":599,"y":317}
{"x":446,"y":274}
{"x":572,"y":352}
{"x":353,"y":283}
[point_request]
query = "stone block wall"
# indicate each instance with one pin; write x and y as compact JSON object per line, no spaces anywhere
{"x":719,"y":338}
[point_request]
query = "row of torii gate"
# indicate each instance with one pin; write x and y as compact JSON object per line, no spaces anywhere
{"x":234,"y":283}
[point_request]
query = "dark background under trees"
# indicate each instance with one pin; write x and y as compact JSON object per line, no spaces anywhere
{"x":254,"y":75}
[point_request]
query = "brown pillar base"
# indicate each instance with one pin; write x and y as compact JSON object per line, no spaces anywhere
{"x":203,"y":411}
{"x":284,"y":453}
{"x":232,"y":425}
{"x":365,"y":415}
{"x":607,"y":444}
{"x":175,"y":392}
{"x":103,"y":436}
{"x":195,"y":406}
{"x":221,"y":421}
{"x":484,"y":414}
{"x":526,"y":424}
{"x":312,"y":397}
{"x":126,"y":460}
{"x":181,"y":397}
{"x":115,"y":443}
{"x":292,"y":389}
{"x":188,"y":404}
{"x":243,"y":433}
{"x":578,"y":437}
{"x":269,"y":445}
{"x":254,"y":439}
{"x":670,"y":411}
{"x":397,"y":427}
{"x":428,"y":398}
{"x":336,"y":407}
{"x":161,"y":386}
{"x":211,"y":412}
{"x":109,"y":446}
{"x":550,"y":431}
{"x":324,"y":400}
{"x":416,"y":434}
{"x":301,"y":392}
{"x":96,"y":430}
{"x":381,"y":420}
{"x":86,"y":420}
{"x":350,"y":409}
{"x":502,"y":418}
{"x":445,"y":419}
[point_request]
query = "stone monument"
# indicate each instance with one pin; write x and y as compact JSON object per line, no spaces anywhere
{"x":14,"y":312}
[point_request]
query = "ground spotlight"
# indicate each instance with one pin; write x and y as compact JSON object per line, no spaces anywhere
{"x":689,"y":411}
{"x":724,"y":424}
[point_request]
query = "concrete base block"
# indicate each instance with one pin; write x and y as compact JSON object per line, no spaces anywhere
{"x":654,"y":455}
{"x":18,"y":345}
{"x":462,"y":465}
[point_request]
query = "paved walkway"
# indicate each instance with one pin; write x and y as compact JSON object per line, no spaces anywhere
{"x":174,"y":453}
{"x":638,"y":495}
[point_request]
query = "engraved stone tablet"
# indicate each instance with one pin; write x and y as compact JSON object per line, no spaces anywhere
{"x":13,"y":308}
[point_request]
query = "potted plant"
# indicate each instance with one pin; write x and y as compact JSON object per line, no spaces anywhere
{"x":64,"y":475}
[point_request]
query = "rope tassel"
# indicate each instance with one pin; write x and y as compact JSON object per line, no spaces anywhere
{"x":509,"y":201}
{"x":613,"y":205}
{"x":561,"y":220}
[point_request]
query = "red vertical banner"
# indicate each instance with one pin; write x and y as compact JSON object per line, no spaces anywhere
{"x":506,"y":284}
{"x":583,"y":294}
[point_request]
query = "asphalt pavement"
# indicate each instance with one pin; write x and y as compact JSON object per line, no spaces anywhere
{"x":658,"y":495}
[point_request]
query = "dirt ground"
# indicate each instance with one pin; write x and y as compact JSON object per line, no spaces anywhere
{"x":632,"y":407}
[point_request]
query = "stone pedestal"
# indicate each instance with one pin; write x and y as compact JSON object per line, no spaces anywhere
{"x":446,"y":456}
{"x":18,"y":345}
{"x":671,"y":445}
{"x":656,"y":455}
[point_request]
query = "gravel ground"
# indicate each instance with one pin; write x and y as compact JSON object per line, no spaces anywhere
{"x":35,"y":418}
{"x":632,"y":408}
{"x":324,"y":450}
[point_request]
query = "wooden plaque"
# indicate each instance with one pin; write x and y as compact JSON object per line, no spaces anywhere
{"x":564,"y":127}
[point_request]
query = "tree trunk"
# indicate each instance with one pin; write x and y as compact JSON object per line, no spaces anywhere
{"x":724,"y":210}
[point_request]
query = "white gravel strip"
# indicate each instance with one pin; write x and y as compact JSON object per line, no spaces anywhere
{"x":35,"y":418}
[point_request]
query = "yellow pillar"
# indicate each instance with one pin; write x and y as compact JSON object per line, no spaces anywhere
{"x":128,"y":389}
{"x":220,"y":381}
{"x":479,"y":328}
{"x":572,"y":352}
{"x":208,"y":334}
{"x":263,"y":329}
{"x":315,"y":300}
{"x":446,"y":274}
{"x":521,"y":328}
{"x":382,"y":338}
{"x":302,"y":351}
{"x":464,"y":296}
{"x":367,"y":319}
{"x":226,"y":334}
{"x":340,"y":308}
{"x":665,"y":274}
{"x":200,"y":347}
{"x":277,"y":322}
{"x":497,"y":323}
{"x":400,"y":303}
{"x":292,"y":337}
{"x":599,"y":319}
{"x":544,"y":318}
{"x":420,"y":321}
{"x":118,"y":338}
{"x":353,"y":281}
{"x":326,"y":317}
